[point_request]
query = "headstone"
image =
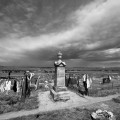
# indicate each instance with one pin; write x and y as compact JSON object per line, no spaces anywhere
{"x":25,"y":87}
{"x":8,"y":85}
{"x":59,"y":91}
{"x":18,"y":86}
{"x":59,"y":83}
{"x":106,"y":80}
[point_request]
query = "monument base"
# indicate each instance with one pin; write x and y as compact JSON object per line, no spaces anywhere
{"x":59,"y":88}
{"x":59,"y":96}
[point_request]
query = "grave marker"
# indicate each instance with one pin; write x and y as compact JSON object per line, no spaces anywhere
{"x":59,"y":91}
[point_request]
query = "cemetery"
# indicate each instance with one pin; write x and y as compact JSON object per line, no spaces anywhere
{"x":46,"y":92}
{"x":59,"y":59}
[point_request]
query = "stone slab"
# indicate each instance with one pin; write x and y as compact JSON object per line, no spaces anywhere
{"x":59,"y":96}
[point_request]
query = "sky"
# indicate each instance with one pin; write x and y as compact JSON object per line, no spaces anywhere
{"x":87,"y":32}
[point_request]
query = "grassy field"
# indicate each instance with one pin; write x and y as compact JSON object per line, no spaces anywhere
{"x":12,"y":102}
{"x":99,"y":90}
{"x":76,"y":113}
{"x":72,"y":114}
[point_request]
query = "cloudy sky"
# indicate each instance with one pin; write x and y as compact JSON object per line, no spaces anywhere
{"x":87,"y":32}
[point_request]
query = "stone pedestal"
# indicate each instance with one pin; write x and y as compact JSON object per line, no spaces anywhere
{"x":59,"y":91}
{"x":59,"y":83}
{"x":59,"y":96}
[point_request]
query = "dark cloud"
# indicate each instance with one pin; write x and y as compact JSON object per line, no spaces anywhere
{"x":86,"y":31}
{"x":35,"y":17}
{"x":101,"y":55}
{"x":51,"y":54}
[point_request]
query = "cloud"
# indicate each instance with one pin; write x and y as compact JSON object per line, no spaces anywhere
{"x":92,"y":31}
{"x":104,"y":55}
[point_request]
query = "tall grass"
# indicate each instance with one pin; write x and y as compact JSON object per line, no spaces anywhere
{"x":12,"y":102}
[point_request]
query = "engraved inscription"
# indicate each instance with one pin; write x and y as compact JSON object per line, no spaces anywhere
{"x":61,"y":76}
{"x":61,"y":72}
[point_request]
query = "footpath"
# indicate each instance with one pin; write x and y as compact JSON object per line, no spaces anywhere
{"x":46,"y":104}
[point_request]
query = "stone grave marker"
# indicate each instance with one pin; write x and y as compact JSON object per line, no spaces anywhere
{"x":59,"y":82}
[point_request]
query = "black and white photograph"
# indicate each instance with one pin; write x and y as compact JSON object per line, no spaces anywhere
{"x":59,"y":59}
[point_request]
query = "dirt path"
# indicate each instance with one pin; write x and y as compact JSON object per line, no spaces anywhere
{"x":46,"y":104}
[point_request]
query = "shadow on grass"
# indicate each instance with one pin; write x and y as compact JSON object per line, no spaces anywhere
{"x":67,"y":114}
{"x":116,"y":100}
{"x":12,"y":102}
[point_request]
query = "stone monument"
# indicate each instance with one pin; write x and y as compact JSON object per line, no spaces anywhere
{"x":59,"y":91}
{"x":59,"y":83}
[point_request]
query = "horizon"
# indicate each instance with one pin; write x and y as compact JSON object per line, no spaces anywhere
{"x":54,"y":67}
{"x":87,"y":32}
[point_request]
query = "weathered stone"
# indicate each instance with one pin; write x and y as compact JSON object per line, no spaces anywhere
{"x":59,"y":96}
{"x":59,"y":91}
{"x":59,"y":82}
{"x":102,"y":115}
{"x":59,"y":88}
{"x":54,"y":95}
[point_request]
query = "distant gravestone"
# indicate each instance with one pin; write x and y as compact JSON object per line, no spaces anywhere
{"x":106,"y":80}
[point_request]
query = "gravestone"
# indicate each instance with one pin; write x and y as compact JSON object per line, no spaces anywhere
{"x":59,"y":83}
{"x":59,"y":88}
{"x":106,"y":80}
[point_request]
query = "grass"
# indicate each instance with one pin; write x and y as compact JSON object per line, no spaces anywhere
{"x":115,"y":106}
{"x":67,"y":114}
{"x":96,"y":92}
{"x":99,"y":90}
{"x":103,"y":92}
{"x":116,"y":100}
{"x":77,"y":113}
{"x":74,"y":113}
{"x":12,"y":102}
